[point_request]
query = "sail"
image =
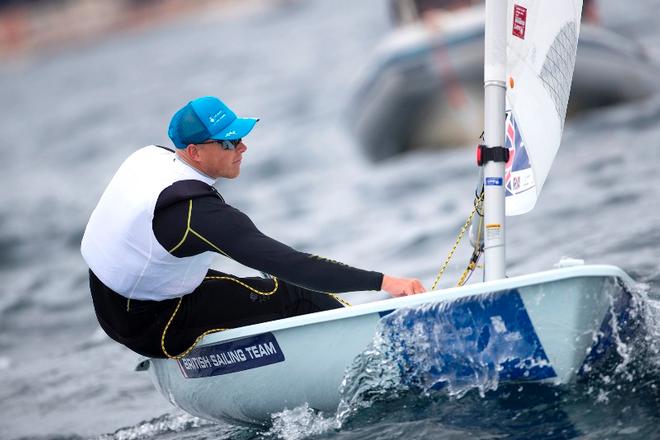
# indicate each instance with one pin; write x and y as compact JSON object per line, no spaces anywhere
{"x":542,"y":41}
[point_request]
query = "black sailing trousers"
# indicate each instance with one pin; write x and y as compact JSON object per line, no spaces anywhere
{"x":218,"y":303}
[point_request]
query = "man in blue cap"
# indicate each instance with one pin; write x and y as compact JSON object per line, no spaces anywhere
{"x":160,"y":223}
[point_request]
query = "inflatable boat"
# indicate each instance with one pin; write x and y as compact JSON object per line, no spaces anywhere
{"x":423,"y":86}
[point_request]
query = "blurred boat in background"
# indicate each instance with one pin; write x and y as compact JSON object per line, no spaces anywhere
{"x":423,"y":86}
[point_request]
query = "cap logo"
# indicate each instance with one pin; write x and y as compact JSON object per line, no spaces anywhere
{"x":230,"y":133}
{"x":217,"y":117}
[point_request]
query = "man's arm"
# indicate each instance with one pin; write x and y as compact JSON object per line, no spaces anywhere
{"x":191,"y":218}
{"x":207,"y":223}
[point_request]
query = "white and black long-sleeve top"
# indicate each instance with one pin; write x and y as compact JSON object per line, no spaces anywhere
{"x":159,"y":224}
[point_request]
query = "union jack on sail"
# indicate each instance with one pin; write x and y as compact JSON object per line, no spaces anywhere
{"x":518,"y":174}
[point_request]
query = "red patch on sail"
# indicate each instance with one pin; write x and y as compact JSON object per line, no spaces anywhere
{"x":519,"y":21}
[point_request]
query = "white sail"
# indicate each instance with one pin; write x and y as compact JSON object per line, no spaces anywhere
{"x":542,"y":39}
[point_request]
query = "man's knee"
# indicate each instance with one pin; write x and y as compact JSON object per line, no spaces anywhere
{"x":300,"y":301}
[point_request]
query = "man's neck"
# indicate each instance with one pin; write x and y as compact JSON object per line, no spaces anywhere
{"x":188,"y":163}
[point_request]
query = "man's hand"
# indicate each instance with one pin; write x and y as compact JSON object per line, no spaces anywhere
{"x":401,"y":286}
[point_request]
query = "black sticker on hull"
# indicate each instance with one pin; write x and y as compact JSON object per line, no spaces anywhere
{"x":230,"y":357}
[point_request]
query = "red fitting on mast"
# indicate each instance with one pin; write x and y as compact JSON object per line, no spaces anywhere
{"x":491,"y":154}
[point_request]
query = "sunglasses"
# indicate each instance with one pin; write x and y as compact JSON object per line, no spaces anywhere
{"x":226,"y":144}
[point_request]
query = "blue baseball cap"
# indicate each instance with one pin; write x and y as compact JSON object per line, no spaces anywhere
{"x":207,"y":118}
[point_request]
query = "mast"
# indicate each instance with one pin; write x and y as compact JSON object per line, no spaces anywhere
{"x":494,"y":111}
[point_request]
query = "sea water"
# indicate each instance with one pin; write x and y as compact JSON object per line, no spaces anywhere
{"x":69,"y":118}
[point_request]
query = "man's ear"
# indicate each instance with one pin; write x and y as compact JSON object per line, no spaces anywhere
{"x":193,"y":152}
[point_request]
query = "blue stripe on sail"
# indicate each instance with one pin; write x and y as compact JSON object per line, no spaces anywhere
{"x":478,"y":338}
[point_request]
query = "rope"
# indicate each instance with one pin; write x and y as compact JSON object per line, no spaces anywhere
{"x":472,"y":265}
{"x":340,"y":300}
{"x":208,"y":332}
{"x":476,"y":253}
{"x":215,"y":330}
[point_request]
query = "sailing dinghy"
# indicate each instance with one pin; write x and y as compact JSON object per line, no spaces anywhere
{"x":551,"y":326}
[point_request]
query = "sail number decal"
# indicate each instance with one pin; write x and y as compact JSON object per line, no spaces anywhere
{"x":519,"y":21}
{"x":230,"y":357}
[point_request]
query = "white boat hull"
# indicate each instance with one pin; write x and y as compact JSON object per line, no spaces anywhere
{"x":550,"y":326}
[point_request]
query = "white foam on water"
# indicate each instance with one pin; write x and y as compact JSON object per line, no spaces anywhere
{"x":299,"y":423}
{"x":374,"y":375}
{"x":498,"y":324}
{"x":419,"y":352}
{"x":400,"y":359}
{"x":169,"y":423}
{"x":644,"y":310}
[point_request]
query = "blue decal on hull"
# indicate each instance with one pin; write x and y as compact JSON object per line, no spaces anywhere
{"x":468,"y":341}
{"x":230,"y":357}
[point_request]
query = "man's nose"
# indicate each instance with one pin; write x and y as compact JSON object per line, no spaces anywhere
{"x":242,"y":148}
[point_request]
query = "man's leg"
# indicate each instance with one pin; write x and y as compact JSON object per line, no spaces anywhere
{"x":224,"y":301}
{"x":300,"y":301}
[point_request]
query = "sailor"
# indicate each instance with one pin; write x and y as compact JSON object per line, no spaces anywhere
{"x":159,"y":225}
